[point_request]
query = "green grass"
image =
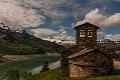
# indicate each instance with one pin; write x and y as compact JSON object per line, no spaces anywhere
{"x":54,"y":75}
{"x":27,"y":65}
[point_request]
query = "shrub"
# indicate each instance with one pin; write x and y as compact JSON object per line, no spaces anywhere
{"x":12,"y":74}
{"x":45,"y":67}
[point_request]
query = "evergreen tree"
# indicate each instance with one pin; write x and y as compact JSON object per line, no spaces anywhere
{"x":45,"y":67}
{"x":12,"y":74}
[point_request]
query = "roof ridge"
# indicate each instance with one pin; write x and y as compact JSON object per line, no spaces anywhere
{"x":86,"y":23}
{"x":86,"y":50}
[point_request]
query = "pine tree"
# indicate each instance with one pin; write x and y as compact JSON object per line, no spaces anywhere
{"x":12,"y":74}
{"x":45,"y":67}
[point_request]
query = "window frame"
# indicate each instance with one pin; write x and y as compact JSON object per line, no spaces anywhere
{"x":90,"y":33}
{"x":82,"y":33}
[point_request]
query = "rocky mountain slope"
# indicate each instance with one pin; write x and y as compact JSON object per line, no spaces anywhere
{"x":18,"y":37}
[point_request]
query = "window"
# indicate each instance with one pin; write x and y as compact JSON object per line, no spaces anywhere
{"x":103,"y":62}
{"x":90,"y":33}
{"x":82,"y":33}
{"x":93,"y":60}
{"x":95,"y":70}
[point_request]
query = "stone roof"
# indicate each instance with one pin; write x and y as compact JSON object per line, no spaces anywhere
{"x":86,"y":23}
{"x":87,"y":50}
{"x":84,"y":51}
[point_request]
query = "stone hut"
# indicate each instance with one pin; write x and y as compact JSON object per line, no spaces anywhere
{"x":86,"y":57}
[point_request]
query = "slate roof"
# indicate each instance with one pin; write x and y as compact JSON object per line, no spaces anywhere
{"x":84,"y":51}
{"x":87,"y":50}
{"x":86,"y":23}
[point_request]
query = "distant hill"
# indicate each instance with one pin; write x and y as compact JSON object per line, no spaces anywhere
{"x":15,"y":39}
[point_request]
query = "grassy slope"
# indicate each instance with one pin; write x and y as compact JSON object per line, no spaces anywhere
{"x":27,"y":65}
{"x":54,"y":75}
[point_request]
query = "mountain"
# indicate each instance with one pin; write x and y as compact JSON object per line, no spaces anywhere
{"x":65,"y":43}
{"x":61,"y":37}
{"x":19,"y":39}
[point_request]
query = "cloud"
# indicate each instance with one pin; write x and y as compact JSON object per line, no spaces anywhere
{"x":116,"y":1}
{"x":112,"y":37}
{"x":62,"y":35}
{"x":49,"y":7}
{"x":99,"y":19}
{"x":42,"y":32}
{"x":15,"y":14}
{"x":100,"y":32}
{"x":25,"y":12}
{"x":58,"y":10}
{"x":31,"y":13}
{"x":51,"y":34}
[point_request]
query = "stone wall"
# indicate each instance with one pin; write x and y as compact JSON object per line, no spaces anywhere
{"x":99,"y":64}
{"x":86,"y":41}
{"x":64,"y":61}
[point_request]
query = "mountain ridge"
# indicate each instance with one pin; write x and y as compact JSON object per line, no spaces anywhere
{"x":21,"y":37}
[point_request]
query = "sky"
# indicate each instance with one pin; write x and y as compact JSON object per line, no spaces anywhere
{"x":43,"y":18}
